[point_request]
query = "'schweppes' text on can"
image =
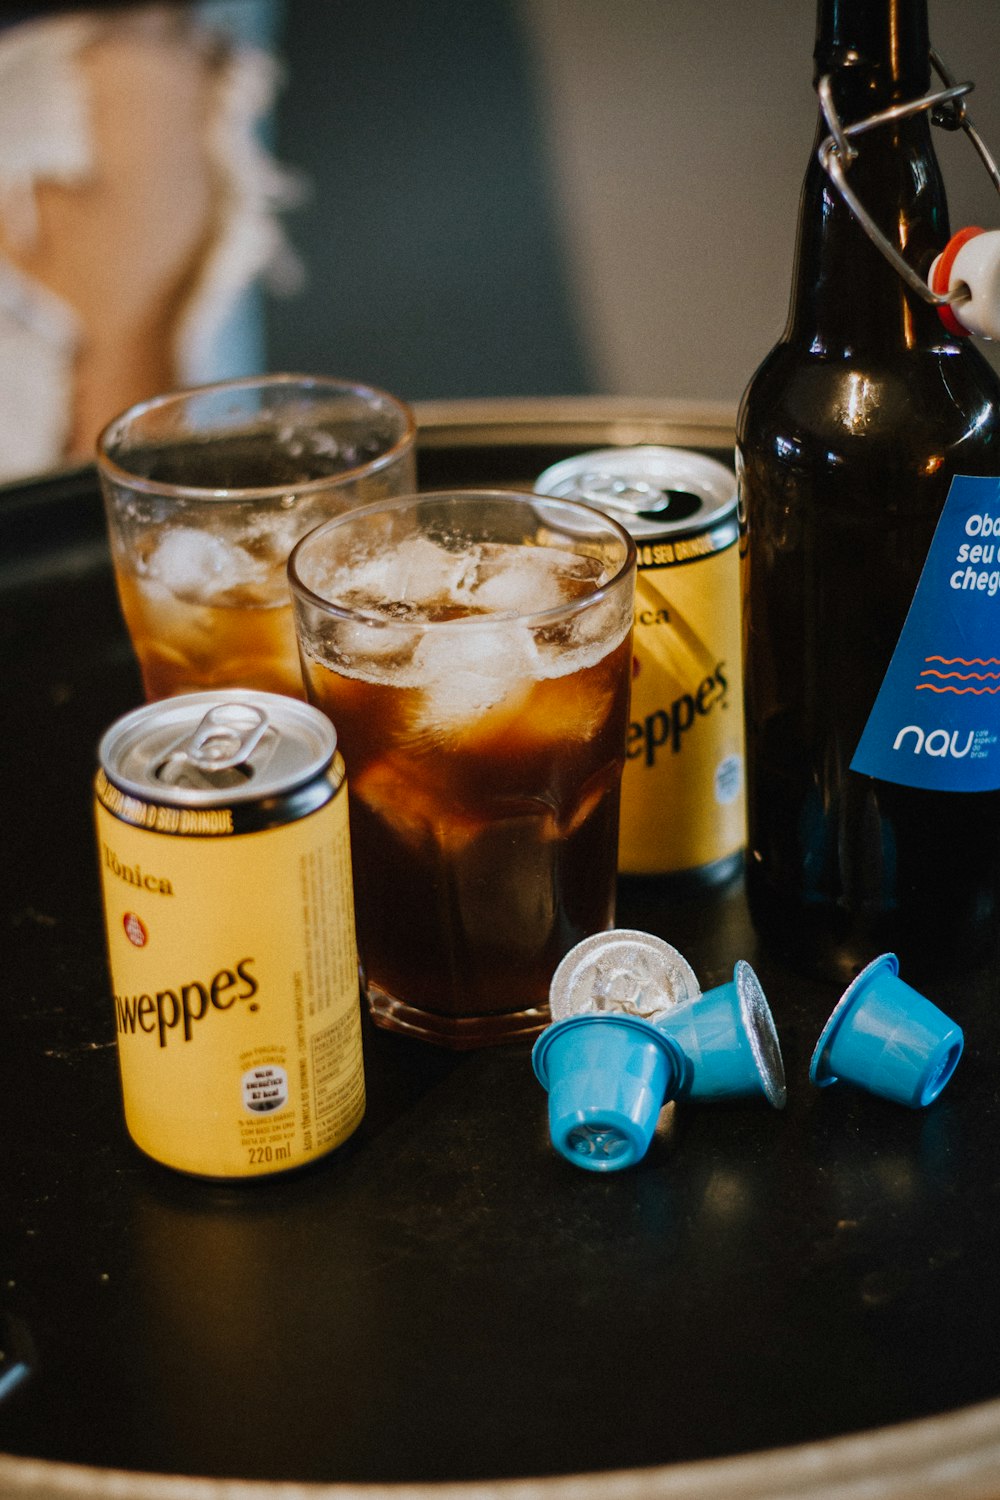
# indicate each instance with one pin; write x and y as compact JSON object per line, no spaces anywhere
{"x":683,"y":799}
{"x":225,"y":864}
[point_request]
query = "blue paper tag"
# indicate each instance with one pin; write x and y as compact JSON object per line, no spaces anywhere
{"x":936,"y":720}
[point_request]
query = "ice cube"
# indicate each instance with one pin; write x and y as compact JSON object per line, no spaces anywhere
{"x":407,"y":795}
{"x":394,"y":796}
{"x":527,"y":580}
{"x":374,"y":650}
{"x":199,"y":566}
{"x":467,"y":668}
{"x":419,"y":572}
{"x":504,"y":883}
{"x":416,"y":574}
{"x":272,"y":534}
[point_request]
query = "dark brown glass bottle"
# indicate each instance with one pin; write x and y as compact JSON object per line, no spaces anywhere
{"x":849,"y":435}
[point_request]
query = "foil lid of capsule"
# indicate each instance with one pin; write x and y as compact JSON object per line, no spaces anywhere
{"x":650,"y":490}
{"x":729,"y":1042}
{"x":622,"y":972}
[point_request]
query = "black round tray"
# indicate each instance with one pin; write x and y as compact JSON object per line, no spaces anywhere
{"x":801,"y":1302}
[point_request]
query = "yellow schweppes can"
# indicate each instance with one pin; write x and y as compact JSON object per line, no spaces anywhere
{"x":683,"y":796}
{"x":225,"y":863}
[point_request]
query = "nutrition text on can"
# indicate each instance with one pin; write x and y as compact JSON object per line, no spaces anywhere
{"x":683,"y":798}
{"x":225,"y":865}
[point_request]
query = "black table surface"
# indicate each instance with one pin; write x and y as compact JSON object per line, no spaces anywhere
{"x":444,"y":1298}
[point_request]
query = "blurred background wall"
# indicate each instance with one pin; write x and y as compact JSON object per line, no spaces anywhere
{"x":553,"y":196}
{"x":450,"y":198}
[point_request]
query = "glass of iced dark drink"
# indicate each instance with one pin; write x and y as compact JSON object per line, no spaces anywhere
{"x":206,"y":490}
{"x":473,"y":650}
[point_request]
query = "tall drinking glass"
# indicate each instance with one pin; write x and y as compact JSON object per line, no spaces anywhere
{"x":473,"y":650}
{"x":207,"y":490}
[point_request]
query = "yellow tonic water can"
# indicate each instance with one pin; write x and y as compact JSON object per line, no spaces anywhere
{"x":683,"y":796}
{"x":225,"y":863}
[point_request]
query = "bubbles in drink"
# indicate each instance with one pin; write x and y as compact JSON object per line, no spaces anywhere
{"x":423,"y":579}
{"x":293,"y":454}
{"x":475,"y":675}
{"x":401,"y":583}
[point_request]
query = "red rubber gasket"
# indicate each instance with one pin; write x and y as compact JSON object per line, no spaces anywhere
{"x":942,"y":274}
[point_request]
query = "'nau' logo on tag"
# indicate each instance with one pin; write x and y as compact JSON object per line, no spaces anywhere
{"x":936,"y":720}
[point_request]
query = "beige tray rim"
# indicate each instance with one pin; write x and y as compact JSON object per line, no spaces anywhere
{"x":617,"y":421}
{"x":951,"y":1457}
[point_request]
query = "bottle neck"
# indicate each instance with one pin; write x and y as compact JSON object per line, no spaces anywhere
{"x":846,"y":297}
{"x":876,"y":51}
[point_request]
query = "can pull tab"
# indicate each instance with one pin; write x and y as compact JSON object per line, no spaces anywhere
{"x":635,"y":497}
{"x":224,"y":740}
{"x":227,"y":736}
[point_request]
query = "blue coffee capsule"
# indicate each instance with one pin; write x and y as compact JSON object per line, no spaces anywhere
{"x":608,"y":1076}
{"x":729,"y":1042}
{"x":886,"y":1037}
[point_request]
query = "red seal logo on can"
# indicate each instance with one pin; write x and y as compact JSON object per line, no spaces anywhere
{"x":135,"y":930}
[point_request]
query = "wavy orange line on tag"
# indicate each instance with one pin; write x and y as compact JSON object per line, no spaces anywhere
{"x":962,"y":661}
{"x":962,"y":676}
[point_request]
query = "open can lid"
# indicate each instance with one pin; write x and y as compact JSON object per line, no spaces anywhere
{"x":217,"y":748}
{"x":652,"y":491}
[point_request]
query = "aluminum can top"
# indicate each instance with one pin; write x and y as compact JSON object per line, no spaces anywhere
{"x":217,"y":748}
{"x":652,"y":491}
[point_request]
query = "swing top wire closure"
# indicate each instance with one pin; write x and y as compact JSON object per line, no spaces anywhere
{"x":836,"y":154}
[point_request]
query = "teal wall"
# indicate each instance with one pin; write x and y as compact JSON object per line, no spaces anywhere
{"x":432,"y":259}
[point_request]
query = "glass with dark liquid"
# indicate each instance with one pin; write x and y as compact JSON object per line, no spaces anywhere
{"x":473,"y":650}
{"x":206,"y":492}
